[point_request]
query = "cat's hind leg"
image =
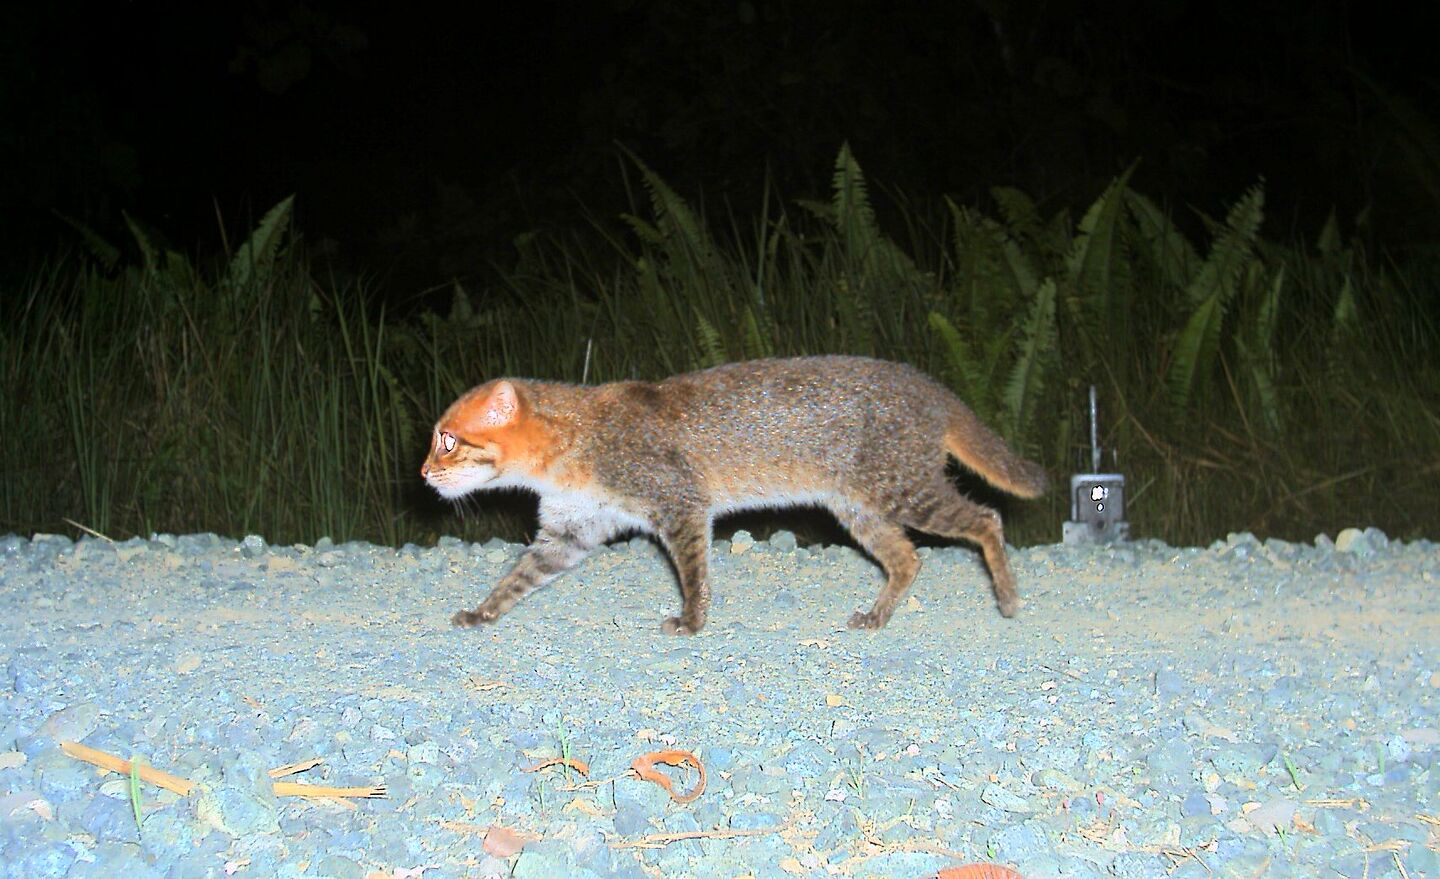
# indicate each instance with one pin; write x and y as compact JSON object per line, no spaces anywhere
{"x":687,"y":540}
{"x":887,"y":543}
{"x":938,"y":508}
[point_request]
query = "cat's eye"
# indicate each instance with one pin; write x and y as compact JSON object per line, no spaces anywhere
{"x":448,"y":441}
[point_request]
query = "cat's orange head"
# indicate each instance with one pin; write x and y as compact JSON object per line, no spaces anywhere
{"x":486,"y":439}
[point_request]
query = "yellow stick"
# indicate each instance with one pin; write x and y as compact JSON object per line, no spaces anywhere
{"x":295,"y":789}
{"x":184,"y":786}
{"x":181,"y":786}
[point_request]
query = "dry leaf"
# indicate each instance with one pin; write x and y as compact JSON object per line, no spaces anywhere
{"x":978,"y":871}
{"x":502,"y":842}
{"x":644,"y":768}
{"x":579,"y":766}
{"x":583,"y":805}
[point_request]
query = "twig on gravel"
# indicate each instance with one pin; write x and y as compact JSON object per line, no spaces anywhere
{"x":297,"y":789}
{"x":875,"y":848}
{"x":184,"y":786}
{"x":1179,"y":856}
{"x":174,"y":783}
{"x":1404,"y":874}
{"x":1357,"y":803}
{"x":579,"y":766}
{"x":660,"y":840}
{"x":91,"y":531}
{"x":293,"y":768}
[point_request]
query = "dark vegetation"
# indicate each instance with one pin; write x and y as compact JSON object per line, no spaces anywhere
{"x":1225,"y":221}
{"x":1251,"y":385}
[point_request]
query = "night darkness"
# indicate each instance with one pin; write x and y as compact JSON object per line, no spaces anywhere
{"x":421,"y":140}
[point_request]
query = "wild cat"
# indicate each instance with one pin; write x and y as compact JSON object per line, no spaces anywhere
{"x":865,"y":439}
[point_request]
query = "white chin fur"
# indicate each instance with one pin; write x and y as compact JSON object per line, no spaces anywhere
{"x":452,"y":485}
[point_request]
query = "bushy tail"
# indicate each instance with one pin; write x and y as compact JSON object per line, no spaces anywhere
{"x":982,"y":450}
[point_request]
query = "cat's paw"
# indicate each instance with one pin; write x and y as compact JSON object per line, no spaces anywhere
{"x":867,"y":619}
{"x":1010,"y":606}
{"x":677,"y":626}
{"x":467,"y":619}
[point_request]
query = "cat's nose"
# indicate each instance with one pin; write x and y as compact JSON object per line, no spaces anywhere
{"x":425,"y":470}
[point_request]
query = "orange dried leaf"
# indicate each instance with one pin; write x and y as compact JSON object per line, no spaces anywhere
{"x":502,"y":842}
{"x":579,"y":766}
{"x":978,"y":871}
{"x":644,"y":769}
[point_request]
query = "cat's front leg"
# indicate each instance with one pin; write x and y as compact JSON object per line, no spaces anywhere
{"x":556,"y":548}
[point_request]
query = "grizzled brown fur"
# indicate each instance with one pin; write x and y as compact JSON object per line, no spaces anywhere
{"x":866,"y":439}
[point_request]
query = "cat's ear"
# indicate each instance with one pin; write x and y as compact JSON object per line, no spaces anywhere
{"x":499,"y":408}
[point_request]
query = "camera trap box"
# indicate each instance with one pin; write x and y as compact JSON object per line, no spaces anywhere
{"x":1097,"y":509}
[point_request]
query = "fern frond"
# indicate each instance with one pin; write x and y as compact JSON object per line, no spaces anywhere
{"x":1346,"y":315}
{"x":1027,"y":377}
{"x":1255,"y":348}
{"x":712,"y":350}
{"x":256,"y":257}
{"x":149,"y":255}
{"x":1231,"y":250}
{"x":756,"y":342}
{"x":1166,"y":249}
{"x":1018,"y":211}
{"x":105,"y":253}
{"x":993,"y":276}
{"x":854,"y":217}
{"x":1329,"y":240}
{"x":962,"y":368}
{"x":673,"y":216}
{"x":646,"y":232}
{"x":1195,"y":350}
{"x":1097,"y":269}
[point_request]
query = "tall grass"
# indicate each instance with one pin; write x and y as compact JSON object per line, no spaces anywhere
{"x":1246,"y":384}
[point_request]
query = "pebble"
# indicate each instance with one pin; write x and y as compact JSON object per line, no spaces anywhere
{"x":1000,"y":798}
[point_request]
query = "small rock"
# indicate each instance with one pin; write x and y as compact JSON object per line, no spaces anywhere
{"x":1055,"y":779}
{"x":1398,"y":748}
{"x":783,"y":540}
{"x":543,"y":860}
{"x":1197,"y":831}
{"x":1019,"y":842}
{"x":631,"y":820}
{"x":427,"y":752}
{"x":1138,"y":865}
{"x":1273,"y":814}
{"x":1173,"y":761}
{"x":1195,"y":805}
{"x":243,"y":803}
{"x":72,"y":723}
{"x":753,"y":821}
{"x":741,"y":542}
{"x":1000,"y":798}
{"x":1242,"y":759}
{"x":1354,"y":541}
{"x":252,"y":546}
{"x":1169,"y":683}
{"x":339,"y":867}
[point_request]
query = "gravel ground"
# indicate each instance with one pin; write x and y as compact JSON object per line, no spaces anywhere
{"x":1251,"y":709}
